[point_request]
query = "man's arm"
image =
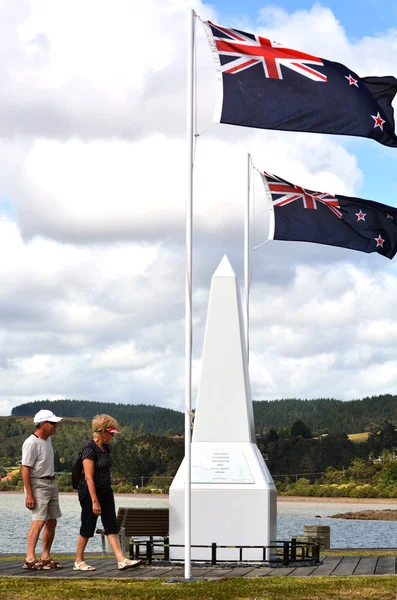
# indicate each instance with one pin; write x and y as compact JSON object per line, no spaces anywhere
{"x":29,"y":500}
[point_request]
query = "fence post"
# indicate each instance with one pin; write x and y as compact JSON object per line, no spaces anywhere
{"x":293,"y":549}
{"x":286,"y":554}
{"x":132,"y":550}
{"x":213,"y":553}
{"x":166,"y":548}
{"x":316,"y":552}
{"x":149,"y":552}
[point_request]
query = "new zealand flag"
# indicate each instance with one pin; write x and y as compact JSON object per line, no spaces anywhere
{"x":267,"y":86}
{"x":300,"y":215}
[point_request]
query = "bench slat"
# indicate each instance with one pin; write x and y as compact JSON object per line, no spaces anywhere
{"x":143,"y":521}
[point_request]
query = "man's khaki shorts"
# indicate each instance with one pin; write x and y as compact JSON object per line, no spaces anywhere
{"x":46,"y":500}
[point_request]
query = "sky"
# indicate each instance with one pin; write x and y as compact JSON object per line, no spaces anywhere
{"x":92,"y":205}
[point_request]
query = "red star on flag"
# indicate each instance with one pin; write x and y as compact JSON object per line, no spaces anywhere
{"x":351,"y":80}
{"x":379,"y":241}
{"x":361,"y":216}
{"x":378,"y":121}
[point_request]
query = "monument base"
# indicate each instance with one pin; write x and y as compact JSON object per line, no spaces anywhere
{"x":234,"y":503}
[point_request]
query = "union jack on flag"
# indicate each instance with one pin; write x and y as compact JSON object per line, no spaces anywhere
{"x":283,"y":193}
{"x":300,"y":215}
{"x":266,"y":85}
{"x":249,"y":50}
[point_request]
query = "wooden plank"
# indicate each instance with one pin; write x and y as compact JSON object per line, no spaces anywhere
{"x":201,"y":571}
{"x":218,"y":572}
{"x":6,"y":569}
{"x":328,"y":567}
{"x":100,"y":573}
{"x":281,"y":571}
{"x":347,"y":565}
{"x":239,"y":571}
{"x":260,"y":572}
{"x":15,"y":568}
{"x":198,"y":572}
{"x":137,"y":573}
{"x":303,"y":571}
{"x":11,"y":566}
{"x":386,"y":566}
{"x":153,"y":572}
{"x":366,"y":565}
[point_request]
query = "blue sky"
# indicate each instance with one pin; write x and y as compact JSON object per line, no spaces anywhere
{"x":358,"y":17}
{"x":7,"y":207}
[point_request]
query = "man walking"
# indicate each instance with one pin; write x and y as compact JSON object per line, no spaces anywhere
{"x":41,"y":490}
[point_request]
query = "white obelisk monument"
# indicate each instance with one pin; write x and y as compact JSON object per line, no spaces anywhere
{"x":234,"y":500}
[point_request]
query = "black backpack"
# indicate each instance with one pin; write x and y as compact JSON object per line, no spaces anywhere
{"x":76,"y":472}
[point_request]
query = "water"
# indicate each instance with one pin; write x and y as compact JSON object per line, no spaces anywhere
{"x":15,"y":521}
{"x":292,"y":516}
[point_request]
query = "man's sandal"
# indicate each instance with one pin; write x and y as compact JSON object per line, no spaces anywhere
{"x":127,"y":564}
{"x":53,"y":564}
{"x":36,"y":565}
{"x":82,"y":566}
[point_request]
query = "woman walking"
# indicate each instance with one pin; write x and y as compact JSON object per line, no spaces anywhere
{"x":96,"y":494}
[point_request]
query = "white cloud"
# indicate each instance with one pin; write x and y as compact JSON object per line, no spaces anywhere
{"x":93,"y":165}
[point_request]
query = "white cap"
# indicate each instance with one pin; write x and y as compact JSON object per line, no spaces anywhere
{"x":46,"y":415}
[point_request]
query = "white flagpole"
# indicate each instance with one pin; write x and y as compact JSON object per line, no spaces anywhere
{"x":246,"y":255}
{"x":188,"y":289}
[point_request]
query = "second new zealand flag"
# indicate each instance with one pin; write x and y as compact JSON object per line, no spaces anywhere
{"x":298,"y":214}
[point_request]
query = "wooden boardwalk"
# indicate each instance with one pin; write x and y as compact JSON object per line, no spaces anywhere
{"x":106,"y":567}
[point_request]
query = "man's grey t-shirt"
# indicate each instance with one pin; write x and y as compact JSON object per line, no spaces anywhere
{"x":39,"y":455}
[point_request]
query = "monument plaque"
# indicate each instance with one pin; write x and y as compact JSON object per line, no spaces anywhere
{"x":220,"y":466}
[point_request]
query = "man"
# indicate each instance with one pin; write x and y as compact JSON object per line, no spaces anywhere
{"x":41,"y":490}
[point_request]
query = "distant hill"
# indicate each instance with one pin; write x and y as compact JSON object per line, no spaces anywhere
{"x":354,"y":416}
{"x":350,"y":417}
{"x":154,"y":419}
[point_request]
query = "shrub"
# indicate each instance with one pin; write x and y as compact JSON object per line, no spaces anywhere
{"x":388,"y":474}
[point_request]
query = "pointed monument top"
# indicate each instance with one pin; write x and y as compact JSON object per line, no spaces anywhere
{"x":224,"y":404}
{"x":224,"y":269}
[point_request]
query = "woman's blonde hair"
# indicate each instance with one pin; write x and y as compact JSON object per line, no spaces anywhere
{"x":101,"y":422}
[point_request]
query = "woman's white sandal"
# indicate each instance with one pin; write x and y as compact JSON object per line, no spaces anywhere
{"x":127,"y":564}
{"x":82,"y":566}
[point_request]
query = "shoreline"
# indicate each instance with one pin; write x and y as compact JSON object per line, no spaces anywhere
{"x":125,"y":495}
{"x":281,"y":499}
{"x":339,"y":500}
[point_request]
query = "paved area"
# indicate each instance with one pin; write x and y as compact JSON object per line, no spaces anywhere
{"x":106,"y":567}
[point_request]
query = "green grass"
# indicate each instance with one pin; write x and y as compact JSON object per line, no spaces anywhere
{"x":271,"y":588}
{"x":360,"y":552}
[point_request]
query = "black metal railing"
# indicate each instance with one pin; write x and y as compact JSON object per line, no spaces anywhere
{"x":282,"y":553}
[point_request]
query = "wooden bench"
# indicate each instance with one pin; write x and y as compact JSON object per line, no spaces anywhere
{"x":139,"y":522}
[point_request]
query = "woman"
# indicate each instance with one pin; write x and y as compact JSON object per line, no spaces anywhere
{"x":96,"y":495}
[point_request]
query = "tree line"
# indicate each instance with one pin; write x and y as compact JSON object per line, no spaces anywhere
{"x":302,"y":461}
{"x":354,"y":416}
{"x":154,"y":419}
